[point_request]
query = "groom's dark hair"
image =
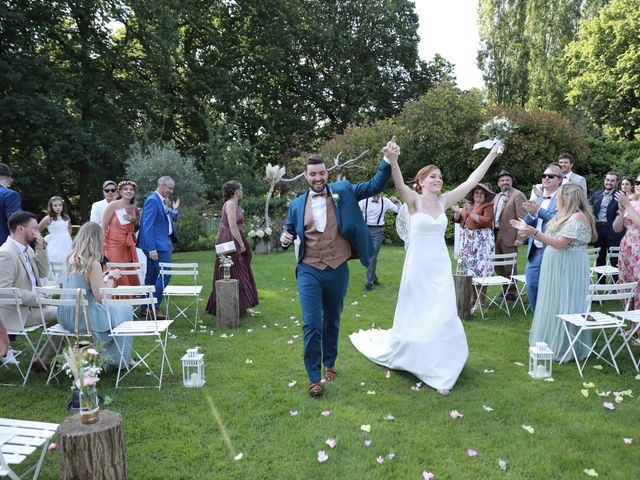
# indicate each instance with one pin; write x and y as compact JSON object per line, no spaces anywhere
{"x":315,"y":159}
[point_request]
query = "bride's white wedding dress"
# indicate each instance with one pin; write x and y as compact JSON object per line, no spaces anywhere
{"x":427,"y":337}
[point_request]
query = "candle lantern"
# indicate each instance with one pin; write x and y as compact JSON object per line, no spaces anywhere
{"x":540,"y":360}
{"x":193,"y":368}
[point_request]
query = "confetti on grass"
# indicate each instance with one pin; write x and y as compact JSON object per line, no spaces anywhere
{"x":428,"y":475}
{"x":331,"y":442}
{"x":322,"y":456}
{"x":608,"y":405}
{"x":365,"y":428}
{"x":455,"y":414}
{"x":591,"y":472}
{"x":471,"y":452}
{"x":528,"y":428}
{"x":502,"y":464}
{"x":294,"y":413}
{"x":292,"y":383}
{"x":627,"y":441}
{"x":380,"y":459}
{"x":325,"y":413}
{"x":238,"y":456}
{"x":487,"y":408}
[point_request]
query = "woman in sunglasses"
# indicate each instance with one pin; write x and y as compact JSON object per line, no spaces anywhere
{"x":628,"y":219}
{"x":564,"y":274}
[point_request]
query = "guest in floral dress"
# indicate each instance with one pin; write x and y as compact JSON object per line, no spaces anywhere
{"x":477,"y":242}
{"x":628,"y":219}
{"x":564,"y":274}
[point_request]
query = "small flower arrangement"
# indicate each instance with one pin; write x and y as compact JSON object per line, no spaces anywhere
{"x":336,"y":199}
{"x":498,"y":128}
{"x":260,"y":233}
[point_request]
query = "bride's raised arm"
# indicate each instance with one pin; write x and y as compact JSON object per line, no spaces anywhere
{"x":458,"y":193}
{"x":408,"y":196}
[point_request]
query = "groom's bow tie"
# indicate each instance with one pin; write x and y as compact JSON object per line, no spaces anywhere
{"x":321,"y":194}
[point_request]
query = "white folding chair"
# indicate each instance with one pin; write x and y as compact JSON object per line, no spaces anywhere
{"x":21,"y":438}
{"x":74,"y":297}
{"x":129,"y":268}
{"x":593,"y":253}
{"x":171,"y":292}
{"x":496,"y":260}
{"x":520,"y":282}
{"x":607,"y":271}
{"x":633,"y":317}
{"x":601,"y":322}
{"x":11,"y":297}
{"x":150,"y":327}
{"x":55,"y":276}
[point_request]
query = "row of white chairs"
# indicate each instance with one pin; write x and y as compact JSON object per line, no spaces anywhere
{"x":139,"y":297}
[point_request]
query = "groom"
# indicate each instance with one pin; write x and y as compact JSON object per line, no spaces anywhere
{"x":329,"y":224}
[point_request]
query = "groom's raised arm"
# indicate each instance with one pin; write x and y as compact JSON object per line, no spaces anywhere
{"x":376,"y":184}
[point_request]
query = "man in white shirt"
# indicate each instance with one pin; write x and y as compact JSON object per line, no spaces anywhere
{"x":373,"y":211}
{"x":97,"y":209}
{"x":567,"y":162}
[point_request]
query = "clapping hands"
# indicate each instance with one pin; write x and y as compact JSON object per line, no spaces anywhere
{"x":521,"y":226}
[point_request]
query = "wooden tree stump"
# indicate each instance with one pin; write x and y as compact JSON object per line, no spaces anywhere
{"x":464,"y":289}
{"x":94,"y":451}
{"x":227,"y":304}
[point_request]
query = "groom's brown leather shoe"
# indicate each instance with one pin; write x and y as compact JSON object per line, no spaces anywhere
{"x":330,"y":374}
{"x":315,"y":389}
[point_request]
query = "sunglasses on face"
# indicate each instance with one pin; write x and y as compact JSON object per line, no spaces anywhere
{"x":637,"y":182}
{"x":549,"y":175}
{"x":109,"y":190}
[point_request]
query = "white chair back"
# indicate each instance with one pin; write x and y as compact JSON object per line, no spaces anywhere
{"x":129,"y":268}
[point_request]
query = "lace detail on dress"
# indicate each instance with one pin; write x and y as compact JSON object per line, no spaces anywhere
{"x":578,"y":231}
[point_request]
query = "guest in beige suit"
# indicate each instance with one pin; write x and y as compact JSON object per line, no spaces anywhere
{"x":21,"y":267}
{"x":507,"y":206}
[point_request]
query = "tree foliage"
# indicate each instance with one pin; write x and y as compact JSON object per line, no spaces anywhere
{"x":604,"y":72}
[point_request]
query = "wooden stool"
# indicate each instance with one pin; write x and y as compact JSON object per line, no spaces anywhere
{"x":464,"y":288}
{"x":93,"y":451}
{"x":227,"y":304}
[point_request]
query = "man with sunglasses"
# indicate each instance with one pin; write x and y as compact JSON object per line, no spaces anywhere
{"x":605,"y":209}
{"x":98,"y":208}
{"x":539,"y":212}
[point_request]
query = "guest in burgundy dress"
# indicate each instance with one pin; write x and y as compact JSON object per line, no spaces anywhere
{"x":231,"y":230}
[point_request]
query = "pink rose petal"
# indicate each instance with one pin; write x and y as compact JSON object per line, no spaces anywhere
{"x":325,"y":413}
{"x":471,"y":452}
{"x":627,"y":441}
{"x":428,"y":475}
{"x":380,"y":459}
{"x":53,"y":446}
{"x":331,"y":442}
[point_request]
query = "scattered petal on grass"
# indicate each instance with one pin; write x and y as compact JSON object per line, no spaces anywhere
{"x":391,"y":456}
{"x":584,"y":392}
{"x":618,"y":398}
{"x":294,"y":413}
{"x":325,"y":413}
{"x":173,"y":337}
{"x":238,"y":456}
{"x":390,"y":418}
{"x":637,"y":377}
{"x":331,"y":442}
{"x":488,"y":371}
{"x":276,"y":324}
{"x":627,"y":393}
{"x":487,"y":408}
{"x":455,"y":414}
{"x":367,"y":442}
{"x":290,"y":342}
{"x":210,"y":333}
{"x":362,"y":384}
{"x":380,"y":459}
{"x":518,"y":364}
{"x":224,"y":335}
{"x":608,"y":405}
{"x":550,"y":379}
{"x":264,"y":326}
{"x":591,"y":472}
{"x":627,"y":441}
{"x":502,"y":464}
{"x":295,"y":336}
{"x":528,"y":428}
{"x":416,"y":387}
{"x":292,"y":317}
{"x":322,"y":456}
{"x":292,"y":383}
{"x":598,"y":367}
{"x":52,"y":446}
{"x":387,"y":374}
{"x":371,"y":392}
{"x":603,"y":393}
{"x":471,"y":452}
{"x":588,"y":384}
{"x":249,"y":330}
{"x":192,"y":330}
{"x":428,"y":475}
{"x":365,"y":428}
{"x":248,"y":361}
{"x":357,"y":315}
{"x":354,"y":303}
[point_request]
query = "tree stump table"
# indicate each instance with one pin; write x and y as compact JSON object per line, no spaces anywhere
{"x":94,"y":451}
{"x":463,"y":286}
{"x":227,"y":304}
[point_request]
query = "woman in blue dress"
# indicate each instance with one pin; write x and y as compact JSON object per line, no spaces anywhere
{"x":84,"y":271}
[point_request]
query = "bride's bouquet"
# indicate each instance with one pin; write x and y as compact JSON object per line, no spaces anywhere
{"x":497,"y":129}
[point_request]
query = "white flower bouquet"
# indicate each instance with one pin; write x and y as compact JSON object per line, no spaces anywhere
{"x":498,"y":129}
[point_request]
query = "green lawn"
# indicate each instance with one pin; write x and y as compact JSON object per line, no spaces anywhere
{"x":173,"y":433}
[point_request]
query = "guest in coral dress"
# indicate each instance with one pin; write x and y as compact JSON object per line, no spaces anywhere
{"x":119,"y":223}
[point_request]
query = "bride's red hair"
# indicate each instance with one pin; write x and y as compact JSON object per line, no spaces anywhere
{"x":422,"y":173}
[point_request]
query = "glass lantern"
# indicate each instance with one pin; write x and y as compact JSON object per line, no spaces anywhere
{"x":540,"y":360}
{"x":193,"y":368}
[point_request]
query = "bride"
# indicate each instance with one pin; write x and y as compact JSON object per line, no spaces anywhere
{"x":427,"y":337}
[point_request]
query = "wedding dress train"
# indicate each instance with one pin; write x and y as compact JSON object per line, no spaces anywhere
{"x":427,"y":337}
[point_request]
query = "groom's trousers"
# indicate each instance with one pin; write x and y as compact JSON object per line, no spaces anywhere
{"x":322,"y":295}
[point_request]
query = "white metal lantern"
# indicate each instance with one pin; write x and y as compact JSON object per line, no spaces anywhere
{"x":540,"y":360}
{"x":193,"y":368}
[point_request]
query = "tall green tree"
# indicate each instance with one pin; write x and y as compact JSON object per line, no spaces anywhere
{"x":604,"y":77}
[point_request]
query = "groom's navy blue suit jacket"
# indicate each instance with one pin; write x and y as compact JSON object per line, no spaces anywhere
{"x":348,"y":215}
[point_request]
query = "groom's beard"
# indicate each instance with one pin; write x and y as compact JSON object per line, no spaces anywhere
{"x":317,"y":188}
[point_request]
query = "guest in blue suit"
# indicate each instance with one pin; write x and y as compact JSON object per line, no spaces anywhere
{"x":154,"y":236}
{"x":540,"y":211}
{"x":605,"y":209}
{"x":9,"y":200}
{"x":331,"y":229}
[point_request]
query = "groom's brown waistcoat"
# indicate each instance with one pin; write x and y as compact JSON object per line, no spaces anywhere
{"x":324,"y":249}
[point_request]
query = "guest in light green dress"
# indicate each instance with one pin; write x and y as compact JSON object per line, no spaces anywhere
{"x":84,"y":271}
{"x":564,"y":273}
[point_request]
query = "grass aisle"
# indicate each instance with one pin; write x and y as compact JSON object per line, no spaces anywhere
{"x":173,"y":434}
